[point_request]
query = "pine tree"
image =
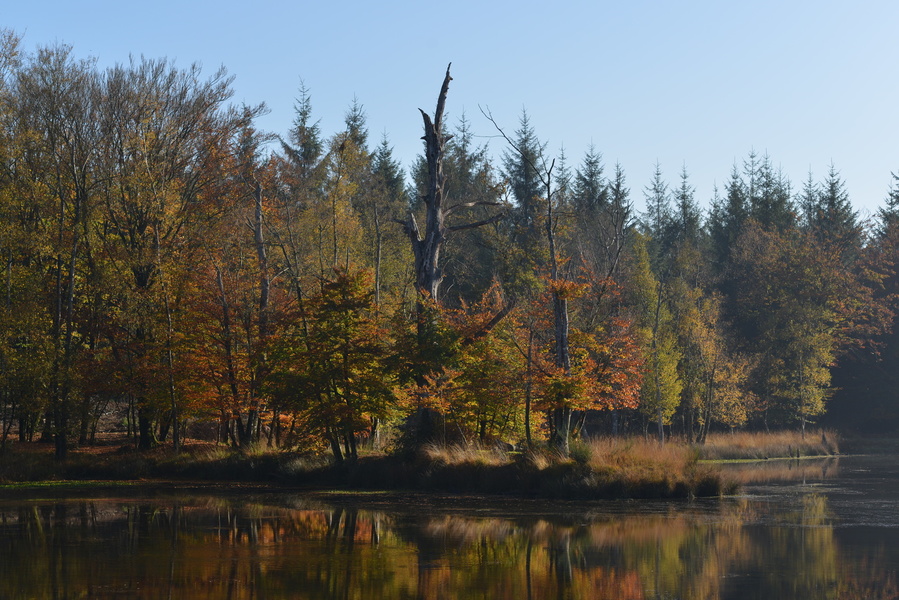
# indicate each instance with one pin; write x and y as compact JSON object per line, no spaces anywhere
{"x":520,"y":169}
{"x":687,"y":217}
{"x":656,"y":221}
{"x":591,"y":193}
{"x":304,"y":144}
{"x":888,"y":215}
{"x":833,"y":220}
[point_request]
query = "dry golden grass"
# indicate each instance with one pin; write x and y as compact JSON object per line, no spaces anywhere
{"x":464,"y":454}
{"x":639,"y":452}
{"x":775,"y":444}
{"x":634,"y":467}
{"x":640,"y":463}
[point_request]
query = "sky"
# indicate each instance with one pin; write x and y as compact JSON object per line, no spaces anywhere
{"x":691,"y":84}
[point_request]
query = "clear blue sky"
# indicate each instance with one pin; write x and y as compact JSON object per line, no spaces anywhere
{"x":694,"y":83}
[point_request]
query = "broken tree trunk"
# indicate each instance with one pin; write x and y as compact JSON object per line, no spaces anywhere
{"x":427,"y":244}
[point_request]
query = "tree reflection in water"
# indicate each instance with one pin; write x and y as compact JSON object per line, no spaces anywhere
{"x":210,"y":548}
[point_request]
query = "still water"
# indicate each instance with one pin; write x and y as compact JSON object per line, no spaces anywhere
{"x":826,"y":530}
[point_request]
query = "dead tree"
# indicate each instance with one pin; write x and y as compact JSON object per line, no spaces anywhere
{"x":427,"y":244}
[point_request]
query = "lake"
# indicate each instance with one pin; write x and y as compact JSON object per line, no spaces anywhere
{"x":823,"y":529}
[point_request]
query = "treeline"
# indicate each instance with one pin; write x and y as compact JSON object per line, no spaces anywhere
{"x":162,"y":257}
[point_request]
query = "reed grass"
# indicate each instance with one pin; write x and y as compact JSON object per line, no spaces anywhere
{"x":775,"y":444}
{"x":465,"y":454}
{"x":599,"y":468}
{"x":612,"y":467}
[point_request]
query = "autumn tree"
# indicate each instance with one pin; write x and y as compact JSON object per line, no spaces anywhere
{"x":166,"y":130}
{"x":57,"y":111}
{"x":569,"y":383}
{"x":333,"y":365}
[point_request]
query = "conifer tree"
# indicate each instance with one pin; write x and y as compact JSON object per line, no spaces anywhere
{"x":386,"y":200}
{"x":728,"y":217}
{"x":303,"y":146}
{"x":687,"y":217}
{"x":356,"y":128}
{"x":833,"y":220}
{"x":520,"y":169}
{"x":888,"y":215}
{"x":591,"y":193}
{"x":656,"y":221}
{"x":770,"y":201}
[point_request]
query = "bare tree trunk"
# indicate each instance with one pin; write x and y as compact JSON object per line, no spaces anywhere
{"x":528,"y":390}
{"x":379,"y":240}
{"x":169,"y":353}
{"x":562,"y":413}
{"x":264,"y":290}
{"x":228,"y":337}
{"x":426,"y":245}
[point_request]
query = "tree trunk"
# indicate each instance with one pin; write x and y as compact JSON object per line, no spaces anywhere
{"x":561,"y":418}
{"x":561,"y":414}
{"x":529,"y":389}
{"x":264,"y":290}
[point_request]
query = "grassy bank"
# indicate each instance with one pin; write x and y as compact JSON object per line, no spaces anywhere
{"x":621,"y":468}
{"x":600,"y":468}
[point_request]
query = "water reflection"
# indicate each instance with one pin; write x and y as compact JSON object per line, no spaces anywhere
{"x":793,"y":471}
{"x":791,"y":546}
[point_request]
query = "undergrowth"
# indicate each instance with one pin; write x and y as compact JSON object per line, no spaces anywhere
{"x":613,"y":467}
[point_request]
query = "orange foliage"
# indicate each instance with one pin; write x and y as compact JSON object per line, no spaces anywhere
{"x":606,"y":362}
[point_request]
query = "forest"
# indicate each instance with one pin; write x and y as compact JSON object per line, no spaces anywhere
{"x":171,"y":271}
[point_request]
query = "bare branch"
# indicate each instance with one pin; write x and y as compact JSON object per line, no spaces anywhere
{"x":493,"y":322}
{"x":493,"y":219}
{"x":441,"y":99}
{"x":543,"y":173}
{"x":455,"y":207}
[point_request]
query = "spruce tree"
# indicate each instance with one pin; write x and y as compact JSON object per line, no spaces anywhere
{"x":304,"y":144}
{"x":833,"y":221}
{"x":769,"y":197}
{"x":728,"y":218}
{"x":656,"y":220}
{"x":591,"y":193}
{"x":888,"y":216}
{"x":808,"y":201}
{"x":355,"y":125}
{"x":687,"y":218}
{"x":520,"y":169}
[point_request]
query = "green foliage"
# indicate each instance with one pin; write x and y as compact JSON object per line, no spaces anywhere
{"x":335,"y":370}
{"x":662,"y":386}
{"x":793,"y":298}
